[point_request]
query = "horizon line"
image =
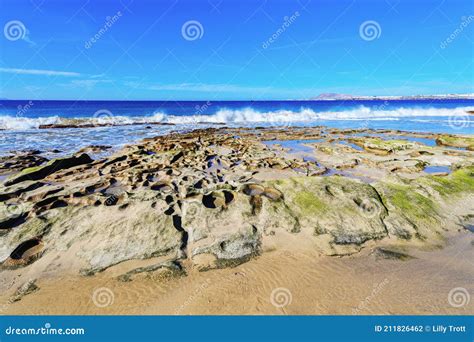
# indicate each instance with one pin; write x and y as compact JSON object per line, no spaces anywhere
{"x":349,"y":97}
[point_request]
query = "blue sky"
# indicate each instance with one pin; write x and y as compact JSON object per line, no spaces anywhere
{"x":243,"y":49}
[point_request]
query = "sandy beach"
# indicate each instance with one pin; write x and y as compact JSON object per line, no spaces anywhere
{"x":310,"y":284}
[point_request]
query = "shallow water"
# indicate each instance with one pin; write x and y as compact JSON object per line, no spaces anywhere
{"x":348,"y":174}
{"x":294,"y":146}
{"x":70,"y":140}
{"x":347,"y":143}
{"x":437,"y":169}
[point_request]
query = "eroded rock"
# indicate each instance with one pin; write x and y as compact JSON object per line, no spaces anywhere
{"x":52,"y":166}
{"x":212,"y":198}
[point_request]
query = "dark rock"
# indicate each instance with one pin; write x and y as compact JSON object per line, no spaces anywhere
{"x":385,"y":253}
{"x":51,"y":167}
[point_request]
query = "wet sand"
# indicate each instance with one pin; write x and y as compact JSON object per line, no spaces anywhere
{"x":302,"y":283}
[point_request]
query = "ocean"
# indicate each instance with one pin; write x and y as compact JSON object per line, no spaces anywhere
{"x":28,"y":124}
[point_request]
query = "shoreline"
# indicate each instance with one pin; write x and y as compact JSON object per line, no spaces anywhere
{"x":356,"y":130}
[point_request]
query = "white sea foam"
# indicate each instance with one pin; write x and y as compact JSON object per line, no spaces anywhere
{"x":22,"y":123}
{"x":249,"y":115}
{"x":241,"y":116}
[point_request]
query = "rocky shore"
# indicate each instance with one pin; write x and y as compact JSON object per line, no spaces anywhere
{"x":216,"y":198}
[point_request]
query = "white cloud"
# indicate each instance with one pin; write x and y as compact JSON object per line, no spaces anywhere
{"x":39,"y":72}
{"x":85,"y":83}
{"x":201,"y":87}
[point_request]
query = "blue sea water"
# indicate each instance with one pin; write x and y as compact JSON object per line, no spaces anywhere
{"x":21,"y":121}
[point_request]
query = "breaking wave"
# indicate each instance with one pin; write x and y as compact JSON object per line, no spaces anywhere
{"x":20,"y":123}
{"x":249,"y":115}
{"x":233,"y":116}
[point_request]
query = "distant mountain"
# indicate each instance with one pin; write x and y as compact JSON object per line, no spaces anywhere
{"x":332,"y":96}
{"x":335,"y":96}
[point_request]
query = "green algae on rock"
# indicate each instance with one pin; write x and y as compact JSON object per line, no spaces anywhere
{"x":381,"y":146}
{"x":456,"y":141}
{"x":40,"y":172}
